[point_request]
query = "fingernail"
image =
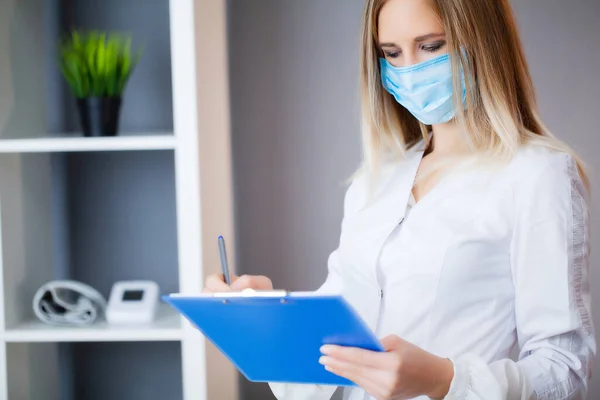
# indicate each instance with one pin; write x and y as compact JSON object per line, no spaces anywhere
{"x":324,"y":360}
{"x":328,"y":368}
{"x":326,"y":349}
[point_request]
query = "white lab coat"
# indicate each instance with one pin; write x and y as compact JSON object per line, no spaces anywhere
{"x":489,"y":258}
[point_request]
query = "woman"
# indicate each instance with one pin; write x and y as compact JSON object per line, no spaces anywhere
{"x":466,"y":232}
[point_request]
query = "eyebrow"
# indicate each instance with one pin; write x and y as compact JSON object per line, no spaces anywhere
{"x":418,"y":39}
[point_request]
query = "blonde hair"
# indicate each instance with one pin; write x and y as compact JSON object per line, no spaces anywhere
{"x":501,"y":111}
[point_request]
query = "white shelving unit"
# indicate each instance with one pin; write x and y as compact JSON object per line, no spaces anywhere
{"x":200,"y":147}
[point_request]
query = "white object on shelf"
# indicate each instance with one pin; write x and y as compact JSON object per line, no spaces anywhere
{"x":132,"y":303}
{"x":165,"y":327}
{"x":71,"y":143}
{"x":67,"y":302}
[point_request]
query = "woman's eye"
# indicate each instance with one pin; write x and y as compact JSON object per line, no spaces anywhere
{"x":392,"y":54}
{"x":432,"y":48}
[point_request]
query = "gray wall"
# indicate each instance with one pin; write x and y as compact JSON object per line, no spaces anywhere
{"x":295,"y":124}
{"x":293,"y":67}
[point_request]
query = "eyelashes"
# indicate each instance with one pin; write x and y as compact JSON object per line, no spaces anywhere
{"x":430,"y":48}
{"x":391,"y":54}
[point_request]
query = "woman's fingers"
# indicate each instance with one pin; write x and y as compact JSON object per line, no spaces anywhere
{"x":354,"y":355}
{"x":373,"y":380}
{"x":216,"y":283}
{"x":257,"y":282}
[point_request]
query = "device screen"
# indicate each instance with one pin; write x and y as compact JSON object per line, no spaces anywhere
{"x":133,"y":295}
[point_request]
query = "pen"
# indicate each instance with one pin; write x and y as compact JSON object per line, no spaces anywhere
{"x":224,"y":265}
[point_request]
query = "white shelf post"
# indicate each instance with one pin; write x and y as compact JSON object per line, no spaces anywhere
{"x":187,"y":181}
{"x":203,"y":175}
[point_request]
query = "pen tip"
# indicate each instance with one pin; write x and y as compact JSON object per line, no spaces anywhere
{"x":220,"y":237}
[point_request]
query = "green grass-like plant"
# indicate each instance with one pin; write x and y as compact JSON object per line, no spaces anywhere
{"x":97,"y":64}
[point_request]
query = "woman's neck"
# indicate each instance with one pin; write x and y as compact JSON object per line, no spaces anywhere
{"x":447,"y":139}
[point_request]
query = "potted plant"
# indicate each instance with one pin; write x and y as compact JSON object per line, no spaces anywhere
{"x":97,"y":67}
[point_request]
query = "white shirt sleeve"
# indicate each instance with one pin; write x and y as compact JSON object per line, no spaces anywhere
{"x":550,"y":266}
{"x":333,"y":284}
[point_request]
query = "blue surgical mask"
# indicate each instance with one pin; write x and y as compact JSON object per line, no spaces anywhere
{"x":424,"y":89}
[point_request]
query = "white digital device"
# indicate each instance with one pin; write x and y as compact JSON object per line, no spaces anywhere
{"x":132,"y":303}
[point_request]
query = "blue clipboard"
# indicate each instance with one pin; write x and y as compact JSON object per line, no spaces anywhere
{"x":275,"y":336}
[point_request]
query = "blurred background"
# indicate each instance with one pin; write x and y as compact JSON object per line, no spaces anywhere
{"x":243,"y":120}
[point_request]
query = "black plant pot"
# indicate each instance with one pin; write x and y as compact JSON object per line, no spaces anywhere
{"x":99,"y":116}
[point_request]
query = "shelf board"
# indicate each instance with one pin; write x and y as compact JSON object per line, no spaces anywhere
{"x":75,"y":143}
{"x":166,"y":327}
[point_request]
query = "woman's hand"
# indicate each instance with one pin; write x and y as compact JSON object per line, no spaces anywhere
{"x":403,"y":371}
{"x":216,"y":283}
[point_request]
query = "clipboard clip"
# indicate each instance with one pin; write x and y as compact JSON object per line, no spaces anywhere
{"x":251,"y":293}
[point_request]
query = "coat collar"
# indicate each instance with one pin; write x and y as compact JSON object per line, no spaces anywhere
{"x":392,"y":191}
